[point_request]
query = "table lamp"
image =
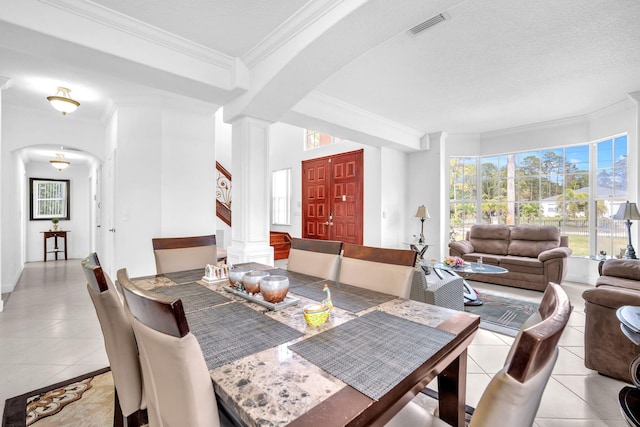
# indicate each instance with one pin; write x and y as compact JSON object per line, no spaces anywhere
{"x":422,"y":213}
{"x":627,"y":212}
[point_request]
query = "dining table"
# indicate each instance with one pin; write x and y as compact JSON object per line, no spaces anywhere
{"x":373,"y":355}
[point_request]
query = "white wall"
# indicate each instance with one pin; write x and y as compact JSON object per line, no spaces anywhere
{"x":164,"y":179}
{"x":78,"y":226}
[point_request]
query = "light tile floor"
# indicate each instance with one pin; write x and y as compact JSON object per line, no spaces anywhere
{"x":49,"y":332}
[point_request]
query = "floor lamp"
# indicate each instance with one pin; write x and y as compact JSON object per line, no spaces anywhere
{"x":628,"y":212}
{"x":422,"y":213}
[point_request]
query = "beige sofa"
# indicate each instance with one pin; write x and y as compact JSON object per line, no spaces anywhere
{"x":533,"y":255}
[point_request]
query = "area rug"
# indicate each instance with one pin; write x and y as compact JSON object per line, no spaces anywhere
{"x":86,"y":400}
{"x":502,"y":313}
{"x":92,"y":403}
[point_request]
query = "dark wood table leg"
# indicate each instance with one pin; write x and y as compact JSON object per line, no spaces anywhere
{"x":452,"y":389}
{"x":65,"y":247}
{"x":45,"y":248}
{"x":55,"y":245}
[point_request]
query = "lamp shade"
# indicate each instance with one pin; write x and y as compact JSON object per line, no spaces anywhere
{"x":62,"y":101}
{"x":422,"y":212}
{"x":59,"y":162}
{"x":627,"y":211}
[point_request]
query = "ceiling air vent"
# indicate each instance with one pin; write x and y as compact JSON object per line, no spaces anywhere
{"x":429,"y":23}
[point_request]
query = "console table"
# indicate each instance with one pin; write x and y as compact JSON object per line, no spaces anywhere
{"x":55,"y":234}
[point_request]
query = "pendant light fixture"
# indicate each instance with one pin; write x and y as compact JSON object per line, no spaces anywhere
{"x":59,"y":162}
{"x":62,"y":102}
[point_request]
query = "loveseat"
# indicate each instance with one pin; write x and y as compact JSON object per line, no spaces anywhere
{"x":606,"y":348}
{"x":533,"y":255}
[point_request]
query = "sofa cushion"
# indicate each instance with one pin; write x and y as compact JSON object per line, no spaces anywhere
{"x":618,"y":282}
{"x":623,"y":268}
{"x":486,"y":258}
{"x":530,"y":240}
{"x":490,"y":239}
{"x":517,"y":264}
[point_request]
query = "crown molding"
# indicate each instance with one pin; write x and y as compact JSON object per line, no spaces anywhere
{"x":293,"y":26}
{"x":144,"y":31}
{"x":536,"y":126}
{"x":340,"y":105}
{"x":611,"y":109}
{"x":355,"y":121}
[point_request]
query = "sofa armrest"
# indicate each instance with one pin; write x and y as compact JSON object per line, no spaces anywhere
{"x":460,"y":248}
{"x":560,"y":252}
{"x":624,"y":268}
{"x":611,"y":296}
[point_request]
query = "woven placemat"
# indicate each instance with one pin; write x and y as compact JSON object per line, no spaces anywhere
{"x":346,"y":297}
{"x":232,"y":331}
{"x":374,"y":352}
{"x":194,"y":296}
{"x":187,"y":276}
{"x":296,"y":279}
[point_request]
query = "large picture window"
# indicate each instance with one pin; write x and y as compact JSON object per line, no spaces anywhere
{"x":49,"y":199}
{"x":545,"y":187}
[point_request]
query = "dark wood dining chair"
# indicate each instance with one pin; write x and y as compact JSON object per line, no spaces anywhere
{"x":319,"y":258}
{"x":513,"y":396}
{"x":184,"y":253}
{"x":390,"y":271}
{"x":177,"y":383}
{"x":120,"y":344}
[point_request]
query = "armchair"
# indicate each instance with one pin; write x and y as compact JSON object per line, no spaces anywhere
{"x":618,"y":285}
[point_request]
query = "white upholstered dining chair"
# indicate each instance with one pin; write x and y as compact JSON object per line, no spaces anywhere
{"x":390,"y":271}
{"x":120,"y":344}
{"x":184,"y":253}
{"x":177,"y":384}
{"x":513,"y":396}
{"x":319,"y":258}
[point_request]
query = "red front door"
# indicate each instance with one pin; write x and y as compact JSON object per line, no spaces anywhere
{"x":332,"y":198}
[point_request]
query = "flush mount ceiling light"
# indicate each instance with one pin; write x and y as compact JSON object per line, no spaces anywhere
{"x":62,"y":102}
{"x":59,"y":162}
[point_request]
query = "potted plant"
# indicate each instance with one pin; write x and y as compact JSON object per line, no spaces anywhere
{"x":55,"y":223}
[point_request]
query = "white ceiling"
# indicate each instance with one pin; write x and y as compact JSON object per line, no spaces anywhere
{"x":495,"y":64}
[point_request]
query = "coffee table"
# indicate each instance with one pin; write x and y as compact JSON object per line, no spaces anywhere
{"x":466,"y":271}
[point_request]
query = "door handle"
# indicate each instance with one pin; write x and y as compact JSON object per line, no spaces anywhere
{"x":113,"y":230}
{"x":328,"y":223}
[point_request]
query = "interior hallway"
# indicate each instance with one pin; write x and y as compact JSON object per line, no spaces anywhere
{"x":49,"y":332}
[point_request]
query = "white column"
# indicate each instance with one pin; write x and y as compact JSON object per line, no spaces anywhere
{"x":250,"y":192}
{"x":4,"y":83}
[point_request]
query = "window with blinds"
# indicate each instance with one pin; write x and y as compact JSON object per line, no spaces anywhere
{"x":49,"y":199}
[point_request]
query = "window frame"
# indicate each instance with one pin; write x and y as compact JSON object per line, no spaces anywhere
{"x":281,"y":197}
{"x":34,"y":201}
{"x":600,"y":238}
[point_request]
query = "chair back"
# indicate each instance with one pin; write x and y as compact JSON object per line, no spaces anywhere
{"x":390,"y":271}
{"x":513,"y":395}
{"x":176,"y":378}
{"x":319,"y":258}
{"x":119,"y":339}
{"x":184,"y":253}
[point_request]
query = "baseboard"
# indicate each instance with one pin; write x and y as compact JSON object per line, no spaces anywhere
{"x":6,"y":288}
